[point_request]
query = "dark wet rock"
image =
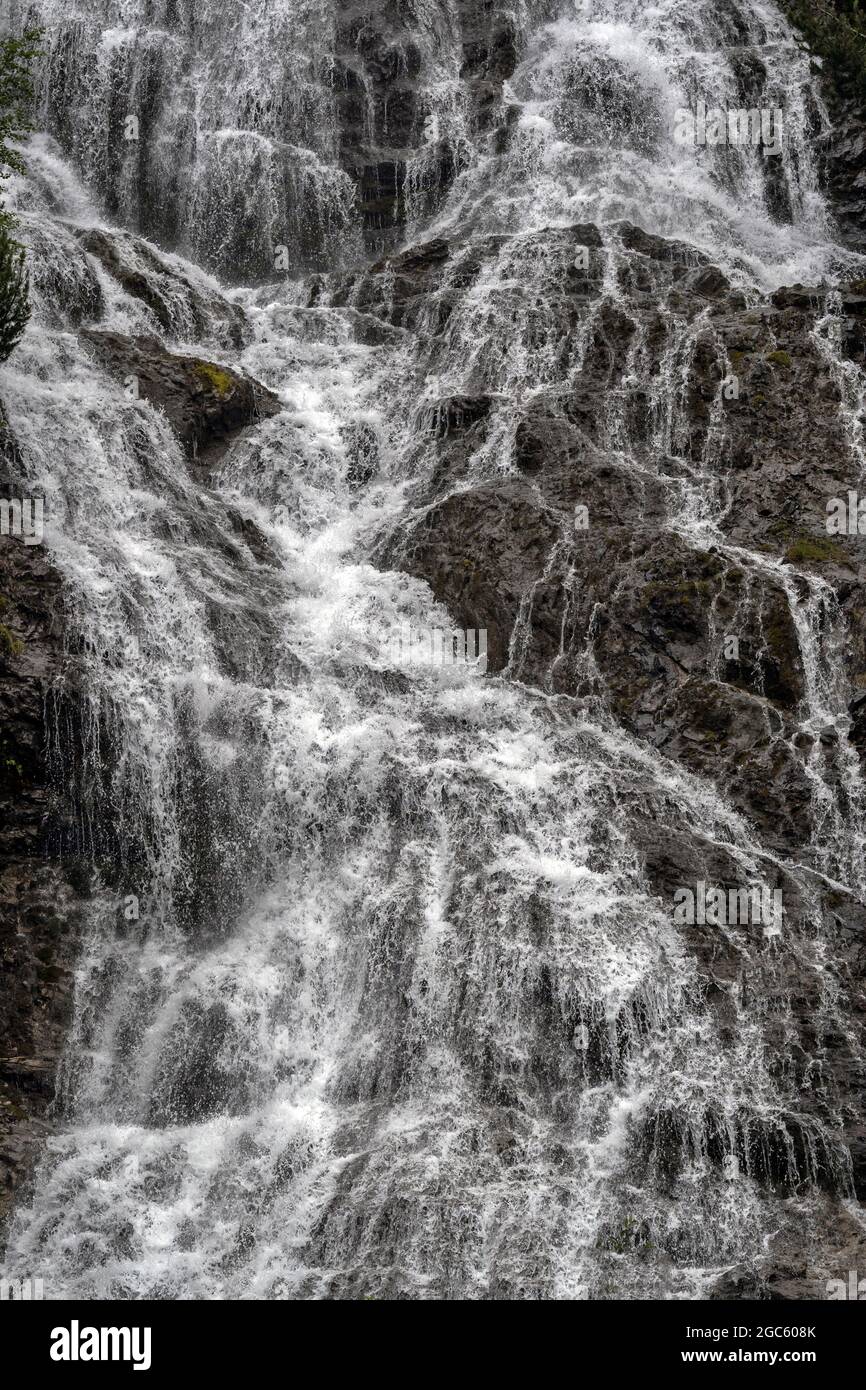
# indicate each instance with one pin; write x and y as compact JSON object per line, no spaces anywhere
{"x":569,"y":561}
{"x":844,"y":151}
{"x":780,"y":458}
{"x":62,"y":277}
{"x":371,"y":331}
{"x":490,"y":53}
{"x":857,"y":732}
{"x":376,"y":83}
{"x":841,"y":146}
{"x":412,"y":276}
{"x":799,"y":297}
{"x":181,"y":308}
{"x":452,"y":547}
{"x":380,"y":76}
{"x":798,"y":1271}
{"x":207,"y":405}
{"x":455,"y":414}
{"x":659,"y":248}
{"x":39,"y":905}
{"x":362,"y":447}
{"x":639,"y":620}
{"x":200,"y":1069}
{"x":416,"y":289}
{"x":253,"y":539}
{"x":835,"y":35}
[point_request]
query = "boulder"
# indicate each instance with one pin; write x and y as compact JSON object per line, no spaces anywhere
{"x":206,"y":404}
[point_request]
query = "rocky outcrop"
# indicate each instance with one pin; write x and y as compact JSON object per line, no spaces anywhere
{"x":626,"y":610}
{"x":40,"y":898}
{"x":43,"y":883}
{"x":207,"y":405}
{"x":182,"y":309}
{"x":574,"y":561}
{"x":835,"y":33}
{"x":399,"y":144}
{"x":843,"y":152}
{"x":571,"y":520}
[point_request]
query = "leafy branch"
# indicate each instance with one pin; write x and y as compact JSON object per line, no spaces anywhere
{"x":17,"y":56}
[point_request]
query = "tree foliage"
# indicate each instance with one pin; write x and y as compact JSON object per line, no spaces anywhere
{"x":836,"y":31}
{"x":16,"y":97}
{"x":14,"y":293}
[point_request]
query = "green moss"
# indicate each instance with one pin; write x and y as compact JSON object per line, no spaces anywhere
{"x":9,"y":643}
{"x":217,"y":379}
{"x":807,"y":548}
{"x":759,"y":399}
{"x":10,"y":768}
{"x":779,"y":358}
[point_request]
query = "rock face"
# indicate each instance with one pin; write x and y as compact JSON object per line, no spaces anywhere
{"x":626,"y":609}
{"x":44,"y":885}
{"x":206,"y":405}
{"x":325,"y":129}
{"x":181,"y":309}
{"x":572,"y":561}
{"x":836,"y":34}
{"x":39,"y":902}
{"x":844,"y":157}
{"x":576,"y":518}
{"x":382,"y":77}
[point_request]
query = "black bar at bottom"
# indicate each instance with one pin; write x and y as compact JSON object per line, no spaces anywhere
{"x":64,"y":1339}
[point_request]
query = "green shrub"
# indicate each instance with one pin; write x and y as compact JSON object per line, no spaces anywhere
{"x":16,"y":96}
{"x":835,"y":30}
{"x":14,"y":292}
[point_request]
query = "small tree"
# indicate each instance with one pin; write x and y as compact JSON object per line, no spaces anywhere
{"x":14,"y":293}
{"x":16,"y":96}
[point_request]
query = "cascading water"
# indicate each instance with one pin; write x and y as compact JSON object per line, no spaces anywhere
{"x":402,"y":1013}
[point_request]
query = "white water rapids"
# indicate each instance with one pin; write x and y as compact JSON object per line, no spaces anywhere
{"x":401,"y":1014}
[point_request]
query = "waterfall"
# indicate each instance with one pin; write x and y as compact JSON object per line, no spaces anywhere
{"x":381,"y":992}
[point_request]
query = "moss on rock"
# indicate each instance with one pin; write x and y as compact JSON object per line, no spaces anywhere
{"x":809,"y":549}
{"x":217,"y":379}
{"x":779,"y":358}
